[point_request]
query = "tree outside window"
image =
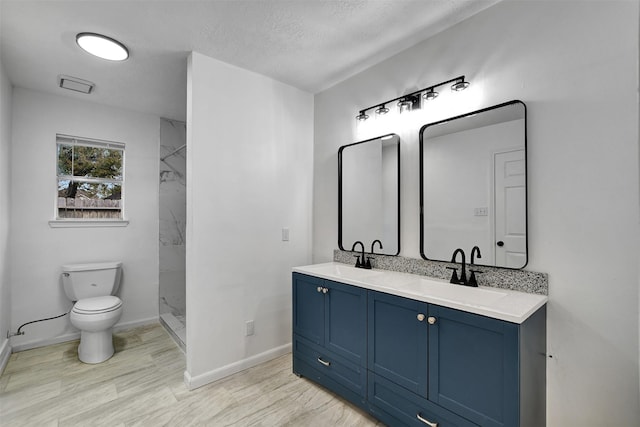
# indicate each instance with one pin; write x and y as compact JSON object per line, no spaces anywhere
{"x":90,"y":178}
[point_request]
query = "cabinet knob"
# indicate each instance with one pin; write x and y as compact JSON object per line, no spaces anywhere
{"x":325,"y":290}
{"x":420,"y":317}
{"x":431,"y":320}
{"x":319,"y":288}
{"x":427,"y":422}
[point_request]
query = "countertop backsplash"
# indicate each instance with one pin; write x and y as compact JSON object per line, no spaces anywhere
{"x":505,"y":278}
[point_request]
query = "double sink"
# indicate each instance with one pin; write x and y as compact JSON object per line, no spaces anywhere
{"x":503,"y":304}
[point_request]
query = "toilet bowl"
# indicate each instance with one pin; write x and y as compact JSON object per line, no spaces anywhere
{"x":95,"y":317}
{"x":96,"y":309}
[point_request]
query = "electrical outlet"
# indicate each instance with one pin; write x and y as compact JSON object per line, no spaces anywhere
{"x":285,"y":234}
{"x":250,"y":328}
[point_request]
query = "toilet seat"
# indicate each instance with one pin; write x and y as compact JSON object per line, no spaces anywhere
{"x":97,"y":305}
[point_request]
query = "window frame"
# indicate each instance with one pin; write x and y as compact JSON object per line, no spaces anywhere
{"x":68,"y":140}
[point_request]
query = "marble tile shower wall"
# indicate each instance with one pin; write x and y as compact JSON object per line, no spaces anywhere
{"x":517,"y":280}
{"x":173,"y":214}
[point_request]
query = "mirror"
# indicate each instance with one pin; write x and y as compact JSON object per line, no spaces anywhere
{"x":369,"y":194}
{"x":473,"y":186}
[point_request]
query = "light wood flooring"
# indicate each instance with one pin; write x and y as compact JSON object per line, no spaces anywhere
{"x":142,"y":385}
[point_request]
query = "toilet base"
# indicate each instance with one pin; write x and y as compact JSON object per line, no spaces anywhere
{"x":95,"y":347}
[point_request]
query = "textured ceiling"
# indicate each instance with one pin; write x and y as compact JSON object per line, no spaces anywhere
{"x":309,"y":44}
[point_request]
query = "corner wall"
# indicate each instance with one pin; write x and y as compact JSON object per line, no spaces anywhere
{"x":249,"y":174}
{"x":6,"y":91}
{"x":575,"y":65}
{"x":38,"y":251}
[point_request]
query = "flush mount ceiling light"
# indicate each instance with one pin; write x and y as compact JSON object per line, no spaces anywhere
{"x":362,"y":116}
{"x":411,"y":101}
{"x":102,"y":46}
{"x":382,"y":109}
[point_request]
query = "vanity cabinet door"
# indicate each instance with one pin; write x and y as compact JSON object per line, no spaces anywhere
{"x":308,"y":308}
{"x":473,"y":366}
{"x":397,"y":340}
{"x":346,"y":321}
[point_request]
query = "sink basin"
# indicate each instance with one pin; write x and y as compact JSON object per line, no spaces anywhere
{"x":455,"y":293}
{"x":344,"y":271}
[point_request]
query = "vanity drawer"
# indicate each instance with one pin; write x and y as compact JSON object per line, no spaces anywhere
{"x":327,"y":363}
{"x":385,"y":397}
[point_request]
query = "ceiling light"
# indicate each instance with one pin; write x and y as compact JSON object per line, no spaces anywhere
{"x":102,"y":46}
{"x":362,"y":116}
{"x":430,"y":95}
{"x":382,"y":109}
{"x":459,"y":85}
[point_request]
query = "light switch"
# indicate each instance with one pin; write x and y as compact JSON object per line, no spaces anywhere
{"x":285,"y":234}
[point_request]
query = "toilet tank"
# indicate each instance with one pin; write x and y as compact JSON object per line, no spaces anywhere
{"x":91,"y":280}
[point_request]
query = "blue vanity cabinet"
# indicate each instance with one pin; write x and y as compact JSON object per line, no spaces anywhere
{"x":473,"y":366}
{"x":329,"y":335}
{"x":398,"y":340}
{"x":411,"y":363}
{"x":432,"y":364}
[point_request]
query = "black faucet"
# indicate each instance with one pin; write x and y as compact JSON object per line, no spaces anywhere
{"x":472,"y":279}
{"x":475,"y":250}
{"x":369,"y":258}
{"x":454,"y":277}
{"x":359,"y":263}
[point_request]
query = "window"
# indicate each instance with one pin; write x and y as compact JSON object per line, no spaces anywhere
{"x":90,"y":179}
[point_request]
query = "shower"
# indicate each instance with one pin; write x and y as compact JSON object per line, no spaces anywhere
{"x":172,"y":215}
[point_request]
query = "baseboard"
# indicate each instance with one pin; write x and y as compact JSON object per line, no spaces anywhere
{"x":5,"y":352}
{"x":45,"y":342}
{"x":76,"y":335}
{"x":219,"y":373}
{"x":135,"y":323}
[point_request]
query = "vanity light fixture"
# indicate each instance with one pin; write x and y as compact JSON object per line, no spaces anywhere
{"x":430,"y":94}
{"x":102,"y":46}
{"x":411,"y":101}
{"x":382,"y":109}
{"x":459,"y":85}
{"x":362,"y":116}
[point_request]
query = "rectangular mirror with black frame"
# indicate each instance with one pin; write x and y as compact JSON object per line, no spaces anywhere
{"x":473,"y":186}
{"x":369,"y":194}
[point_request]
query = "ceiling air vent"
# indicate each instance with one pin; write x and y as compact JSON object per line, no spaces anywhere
{"x":75,"y":84}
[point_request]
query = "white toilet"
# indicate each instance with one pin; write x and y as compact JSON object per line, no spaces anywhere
{"x":96,"y":310}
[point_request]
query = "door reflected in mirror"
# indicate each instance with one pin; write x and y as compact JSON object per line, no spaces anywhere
{"x":473,"y":184}
{"x":369,"y":194}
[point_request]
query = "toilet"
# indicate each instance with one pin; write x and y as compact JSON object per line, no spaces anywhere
{"x":96,"y":309}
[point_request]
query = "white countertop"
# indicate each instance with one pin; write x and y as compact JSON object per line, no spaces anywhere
{"x":503,"y":304}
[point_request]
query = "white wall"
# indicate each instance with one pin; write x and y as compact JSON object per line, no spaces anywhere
{"x":38,"y":251}
{"x":5,"y":167}
{"x":249,"y":163}
{"x":575,"y":65}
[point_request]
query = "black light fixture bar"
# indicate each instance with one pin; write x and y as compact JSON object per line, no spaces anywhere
{"x":459,"y":82}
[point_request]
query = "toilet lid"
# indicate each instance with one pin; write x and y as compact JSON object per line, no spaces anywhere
{"x":97,"y":305}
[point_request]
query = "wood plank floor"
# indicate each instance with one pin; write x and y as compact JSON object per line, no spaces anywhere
{"x":142,"y":385}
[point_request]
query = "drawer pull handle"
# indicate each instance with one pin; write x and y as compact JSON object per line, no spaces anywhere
{"x":323,"y":362}
{"x":427,"y":422}
{"x":431,"y":320}
{"x":319,"y":289}
{"x":325,"y":290}
{"x":420,"y":317}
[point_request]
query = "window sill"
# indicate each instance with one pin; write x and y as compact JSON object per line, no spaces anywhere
{"x":87,"y":223}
